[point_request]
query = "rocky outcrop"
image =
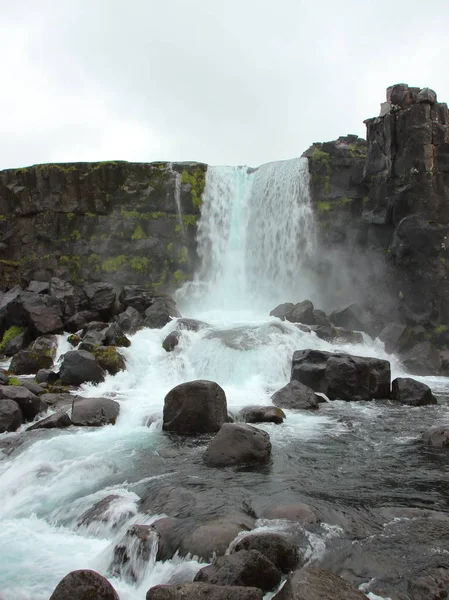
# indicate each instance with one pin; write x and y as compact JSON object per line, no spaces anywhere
{"x":117,"y":222}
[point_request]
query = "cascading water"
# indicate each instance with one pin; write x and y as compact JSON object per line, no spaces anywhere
{"x":256,"y":237}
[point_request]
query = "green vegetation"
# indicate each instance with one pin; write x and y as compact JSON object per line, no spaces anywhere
{"x":12,"y":263}
{"x":197,"y":181}
{"x":358,"y":151}
{"x":14,"y":381}
{"x":324,"y":206}
{"x":9,"y":335}
{"x":179,"y":276}
{"x":75,"y":235}
{"x":59,"y":167}
{"x":140,"y":263}
{"x":440,"y":329}
{"x":189,"y":220}
{"x":183,"y":255}
{"x":138,"y":234}
{"x":113,"y":263}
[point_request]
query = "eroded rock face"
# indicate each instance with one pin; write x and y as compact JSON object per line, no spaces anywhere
{"x":342,"y":376}
{"x":195,"y":407}
{"x":437,"y":436}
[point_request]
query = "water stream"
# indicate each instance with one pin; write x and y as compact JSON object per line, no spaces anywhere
{"x":382,"y":499}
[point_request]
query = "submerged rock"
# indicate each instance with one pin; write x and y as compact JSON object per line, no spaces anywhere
{"x":298,"y":512}
{"x":171,"y":341}
{"x":84,"y":585}
{"x":262,"y":414}
{"x":437,"y":436}
{"x":195,"y":407}
{"x":203,"y":591}
{"x":413,"y":393}
{"x":237,"y":443}
{"x":296,"y":395}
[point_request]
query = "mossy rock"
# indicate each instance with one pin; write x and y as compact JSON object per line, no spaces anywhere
{"x":109,"y":359}
{"x":9,"y":335}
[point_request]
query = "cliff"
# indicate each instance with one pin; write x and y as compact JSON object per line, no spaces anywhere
{"x":126,"y":223}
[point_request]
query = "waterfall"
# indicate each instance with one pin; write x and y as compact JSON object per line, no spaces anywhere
{"x":256,"y":235}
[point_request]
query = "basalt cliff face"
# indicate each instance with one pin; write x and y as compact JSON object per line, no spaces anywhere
{"x":382,"y":208}
{"x":124,"y":223}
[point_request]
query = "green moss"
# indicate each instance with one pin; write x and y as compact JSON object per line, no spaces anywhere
{"x":440,"y":329}
{"x":346,"y":200}
{"x":324,"y":206}
{"x":21,"y":171}
{"x":197,"y":181}
{"x":158,"y":214}
{"x":99,"y":165}
{"x":3,"y":217}
{"x":320,"y":159}
{"x":71,"y":216}
{"x":183,"y":255}
{"x":75,"y":235}
{"x":189,"y":220}
{"x":109,"y":359}
{"x":170,"y":247}
{"x":12,"y":263}
{"x":90,"y":215}
{"x":9,"y":335}
{"x":14,"y":381}
{"x":113,"y":263}
{"x":365,"y":199}
{"x":59,"y":167}
{"x":179,"y":276}
{"x":442,"y":260}
{"x":358,"y":151}
{"x":139,"y":263}
{"x":138,"y":234}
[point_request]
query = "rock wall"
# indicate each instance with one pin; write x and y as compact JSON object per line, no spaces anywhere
{"x":116,"y":221}
{"x":382,"y":208}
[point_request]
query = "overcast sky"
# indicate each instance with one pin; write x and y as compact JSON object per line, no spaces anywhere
{"x":219,"y":81}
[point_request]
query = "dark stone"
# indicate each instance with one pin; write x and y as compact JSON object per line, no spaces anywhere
{"x":262,"y":414}
{"x":136,"y":544}
{"x":130,"y":321}
{"x":171,"y":341}
{"x":79,"y":366}
{"x":203,"y":591}
{"x":98,"y":513}
{"x":10,"y":415}
{"x":160,"y":313}
{"x":190,"y":324}
{"x":114,"y":336}
{"x":321,"y":318}
{"x":101,"y":298}
{"x":109,"y":359}
{"x":62,"y":399}
{"x":80,"y":320}
{"x":195,"y":407}
{"x":35,"y":311}
{"x":302,"y":313}
{"x":391,"y":335}
{"x":351,"y":317}
{"x":316,"y":584}
{"x":4,"y":377}
{"x":84,"y":585}
{"x":430,"y":585}
{"x":342,"y":376}
{"x":413,"y":393}
{"x":17,"y":343}
{"x":59,"y":420}
{"x":245,"y":568}
{"x":38,"y":355}
{"x":38,"y":287}
{"x":279,"y":549}
{"x":295,"y":395}
{"x":236,"y":444}
{"x":31,"y":386}
{"x":30,"y":405}
{"x":46,"y":376}
{"x":282,"y":310}
{"x":70,"y":299}
{"x":427,"y":95}
{"x":94,"y":412}
{"x":437,"y":436}
{"x":422,"y":359}
{"x":298,"y":512}
{"x":137,"y":296}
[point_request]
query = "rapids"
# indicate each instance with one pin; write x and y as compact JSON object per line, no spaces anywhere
{"x":381,"y":497}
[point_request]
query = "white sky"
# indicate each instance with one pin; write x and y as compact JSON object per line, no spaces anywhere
{"x":219,"y":81}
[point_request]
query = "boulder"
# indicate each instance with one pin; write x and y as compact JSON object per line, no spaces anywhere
{"x":30,"y":405}
{"x":422,"y":359}
{"x":296,"y":395}
{"x":46,"y":376}
{"x":437,"y":436}
{"x":59,"y":420}
{"x":38,"y":312}
{"x":321,"y":318}
{"x":346,"y":336}
{"x":298,"y":512}
{"x":38,"y":355}
{"x":316,"y":584}
{"x":114,"y":336}
{"x":4,"y":377}
{"x":79,"y":366}
{"x":70,"y":299}
{"x":10,"y":415}
{"x":245,"y":568}
{"x":109,"y":359}
{"x":302,"y":313}
{"x":262,"y":414}
{"x":161,"y":312}
{"x":101,"y":298}
{"x":236,"y":444}
{"x":137,"y":296}
{"x":84,"y":585}
{"x":16,"y":343}
{"x":30,"y":385}
{"x":101,"y":512}
{"x":171,"y":341}
{"x":350,"y":317}
{"x":278,"y":548}
{"x":342,"y":376}
{"x":62,"y":399}
{"x":94,"y":412}
{"x":392,"y":335}
{"x":203,"y":591}
{"x":413,"y":393}
{"x":38,"y":287}
{"x":195,"y":407}
{"x":282,"y":310}
{"x":130,"y":321}
{"x":80,"y":320}
{"x":427,"y":96}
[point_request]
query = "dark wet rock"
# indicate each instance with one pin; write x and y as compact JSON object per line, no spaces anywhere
{"x":101,"y":298}
{"x":37,"y":312}
{"x":203,"y":591}
{"x":29,"y":404}
{"x":346,"y":336}
{"x":4,"y":377}
{"x":46,"y":376}
{"x":161,"y":312}
{"x":59,"y":420}
{"x":130,"y":321}
{"x":137,"y":296}
{"x":320,"y":318}
{"x":316,"y":584}
{"x":302,"y":312}
{"x":342,"y":376}
{"x":137,"y":544}
{"x":411,"y":392}
{"x":171,"y":532}
{"x":282,"y":310}
{"x":38,"y":355}
{"x":238,"y":443}
{"x":57,"y":398}
{"x":190,"y":324}
{"x":237,"y":338}
{"x":426,"y":95}
{"x":437,"y":436}
{"x":95,"y":412}
{"x":71,"y":299}
{"x":171,"y":341}
{"x":114,"y":336}
{"x":79,"y":366}
{"x":84,"y":585}
{"x":74,"y":339}
{"x":98,"y":513}
{"x":213,"y":537}
{"x":175,"y":501}
{"x":30,"y":385}
{"x":324,"y":332}
{"x":245,"y":568}
{"x":422,"y":359}
{"x":195,"y":407}
{"x":296,"y":395}
{"x":10,"y":415}
{"x":109,"y":359}
{"x":262,"y":414}
{"x":38,"y":287}
{"x":17,"y":343}
{"x":431,"y":585}
{"x":392,"y":335}
{"x":298,"y":512}
{"x":93,"y":335}
{"x":281,"y":550}
{"x":80,"y":320}
{"x":351,"y":317}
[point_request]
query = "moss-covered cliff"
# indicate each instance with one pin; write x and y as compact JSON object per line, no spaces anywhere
{"x":116,"y":221}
